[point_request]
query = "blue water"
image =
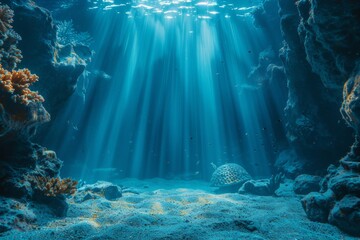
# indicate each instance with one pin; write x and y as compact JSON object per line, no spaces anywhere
{"x":176,"y":95}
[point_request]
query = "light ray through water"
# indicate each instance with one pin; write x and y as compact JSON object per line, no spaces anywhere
{"x":178,"y":99}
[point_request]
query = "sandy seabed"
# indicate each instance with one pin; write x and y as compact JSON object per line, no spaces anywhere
{"x":176,"y":209}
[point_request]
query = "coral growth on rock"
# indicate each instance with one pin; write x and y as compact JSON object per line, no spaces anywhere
{"x":21,"y":110}
{"x":53,"y":187}
{"x":17,"y":83}
{"x":10,"y":55}
{"x":350,"y":106}
{"x":21,"y":113}
{"x":44,"y":55}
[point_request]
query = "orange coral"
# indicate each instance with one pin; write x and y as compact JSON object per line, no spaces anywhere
{"x":18,"y":83}
{"x":53,"y":187}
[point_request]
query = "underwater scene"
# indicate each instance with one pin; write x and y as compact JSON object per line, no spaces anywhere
{"x":180,"y":119}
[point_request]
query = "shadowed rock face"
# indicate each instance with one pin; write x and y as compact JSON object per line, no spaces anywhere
{"x":321,"y":55}
{"x":321,"y":61}
{"x":20,"y":159}
{"x":314,"y":125}
{"x":21,"y":113}
{"x":39,"y":48}
{"x":330,"y":32}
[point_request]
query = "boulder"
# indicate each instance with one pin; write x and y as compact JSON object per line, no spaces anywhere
{"x":103,"y":189}
{"x":317,"y":205}
{"x":305,"y":184}
{"x":256,"y":187}
{"x":346,"y":214}
{"x":345,"y":182}
{"x":262,"y":187}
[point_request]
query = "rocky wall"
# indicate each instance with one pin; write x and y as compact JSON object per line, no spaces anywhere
{"x":314,"y":126}
{"x":57,"y":66}
{"x":321,"y":59}
{"x":28,"y":171}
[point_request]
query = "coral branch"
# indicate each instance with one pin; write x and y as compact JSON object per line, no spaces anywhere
{"x":18,"y":83}
{"x":53,"y":187}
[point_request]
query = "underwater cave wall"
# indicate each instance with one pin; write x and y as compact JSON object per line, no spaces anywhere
{"x":321,"y":55}
{"x":28,"y":171}
{"x":314,"y":126}
{"x":58,"y":66}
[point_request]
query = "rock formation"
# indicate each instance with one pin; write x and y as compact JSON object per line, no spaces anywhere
{"x":22,"y":163}
{"x":44,"y":56}
{"x":314,"y":125}
{"x":320,"y":56}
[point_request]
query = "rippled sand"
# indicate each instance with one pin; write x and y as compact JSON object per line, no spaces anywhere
{"x":166,"y":209}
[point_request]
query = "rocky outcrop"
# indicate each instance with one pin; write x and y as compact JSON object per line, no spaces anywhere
{"x":321,"y":55}
{"x":346,"y":214}
{"x":317,"y":205}
{"x":330,"y":32}
{"x":28,"y":171}
{"x":316,"y":133}
{"x":321,"y":61}
{"x":305,"y":184}
{"x":41,"y":53}
{"x":314,"y":125}
{"x":343,"y":183}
